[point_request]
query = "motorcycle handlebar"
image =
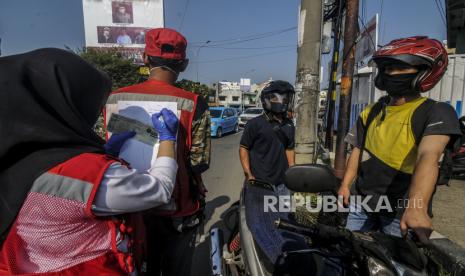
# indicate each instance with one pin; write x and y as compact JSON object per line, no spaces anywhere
{"x":354,"y":244}
{"x":292,"y":227}
{"x":318,"y":230}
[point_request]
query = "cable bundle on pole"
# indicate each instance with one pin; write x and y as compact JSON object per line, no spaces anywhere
{"x":331,"y":95}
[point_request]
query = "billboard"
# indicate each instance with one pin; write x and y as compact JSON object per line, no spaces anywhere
{"x":121,"y":23}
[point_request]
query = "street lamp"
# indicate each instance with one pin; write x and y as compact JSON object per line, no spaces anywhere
{"x":197,"y":55}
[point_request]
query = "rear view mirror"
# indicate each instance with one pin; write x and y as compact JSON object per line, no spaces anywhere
{"x":313,"y":178}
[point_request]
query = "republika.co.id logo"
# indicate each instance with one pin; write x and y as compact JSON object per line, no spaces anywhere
{"x":331,"y":203}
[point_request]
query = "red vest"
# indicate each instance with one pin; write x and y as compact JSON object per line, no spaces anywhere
{"x":158,"y":91}
{"x":56,"y":232}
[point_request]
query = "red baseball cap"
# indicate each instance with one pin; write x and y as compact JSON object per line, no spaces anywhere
{"x":165,"y":43}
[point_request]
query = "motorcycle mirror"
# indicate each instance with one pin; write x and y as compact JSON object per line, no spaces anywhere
{"x":314,"y":178}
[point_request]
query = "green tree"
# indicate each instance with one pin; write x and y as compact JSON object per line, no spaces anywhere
{"x":122,"y":71}
{"x":196,"y":87}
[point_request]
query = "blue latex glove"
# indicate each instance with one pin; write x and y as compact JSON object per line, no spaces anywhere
{"x":166,"y":128}
{"x":116,"y":141}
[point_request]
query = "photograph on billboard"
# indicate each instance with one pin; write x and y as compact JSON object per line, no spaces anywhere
{"x":122,"y":12}
{"x":121,"y":23}
{"x":121,"y":35}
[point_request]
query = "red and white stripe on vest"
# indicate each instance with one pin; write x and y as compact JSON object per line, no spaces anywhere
{"x":56,"y":232}
{"x":183,"y":202}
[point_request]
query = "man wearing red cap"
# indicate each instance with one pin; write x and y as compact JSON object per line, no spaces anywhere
{"x":171,"y":230}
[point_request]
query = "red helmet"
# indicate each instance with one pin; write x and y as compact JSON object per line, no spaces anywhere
{"x":426,"y":54}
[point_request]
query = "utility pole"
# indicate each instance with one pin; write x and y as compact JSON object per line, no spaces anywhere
{"x":350,"y":34}
{"x":217,"y":102}
{"x":331,"y":95}
{"x":308,"y":79}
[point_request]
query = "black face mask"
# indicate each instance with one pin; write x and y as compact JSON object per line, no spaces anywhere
{"x":277,"y":103}
{"x":396,"y":85}
{"x":278,"y":108}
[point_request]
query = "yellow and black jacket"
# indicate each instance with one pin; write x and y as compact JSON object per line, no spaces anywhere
{"x":391,"y":144}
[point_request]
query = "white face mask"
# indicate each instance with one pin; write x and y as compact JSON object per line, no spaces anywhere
{"x":167,"y":68}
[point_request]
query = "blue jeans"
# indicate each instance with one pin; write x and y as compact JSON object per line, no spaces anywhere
{"x":360,"y":220}
{"x":282,"y":190}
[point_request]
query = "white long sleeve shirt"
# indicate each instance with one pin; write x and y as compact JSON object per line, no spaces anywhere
{"x":126,"y":190}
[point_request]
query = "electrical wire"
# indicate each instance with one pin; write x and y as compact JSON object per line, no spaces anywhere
{"x":253,"y":48}
{"x":184,"y":14}
{"x":258,"y":47}
{"x":381,"y":17}
{"x":440,"y":12}
{"x":253,"y":38}
{"x":331,"y":12}
{"x":363,"y":8}
{"x":244,"y":57}
{"x":244,"y":38}
{"x":366,"y":30}
{"x":443,"y":10}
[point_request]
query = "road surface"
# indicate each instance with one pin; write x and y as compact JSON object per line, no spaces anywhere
{"x":223,"y":181}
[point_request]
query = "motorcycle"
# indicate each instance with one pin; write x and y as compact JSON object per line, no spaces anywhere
{"x":453,"y":163}
{"x":458,"y":157}
{"x":272,"y":243}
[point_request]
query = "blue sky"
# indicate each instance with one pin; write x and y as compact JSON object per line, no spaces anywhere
{"x":30,"y":24}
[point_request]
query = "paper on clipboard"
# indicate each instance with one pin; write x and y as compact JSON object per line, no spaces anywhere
{"x":141,"y":151}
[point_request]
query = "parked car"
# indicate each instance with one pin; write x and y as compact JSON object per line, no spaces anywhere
{"x":238,"y":111}
{"x":249,"y":114}
{"x":223,"y":120}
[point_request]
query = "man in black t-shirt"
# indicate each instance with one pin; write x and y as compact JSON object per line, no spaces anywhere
{"x":404,"y":139}
{"x":267,"y":144}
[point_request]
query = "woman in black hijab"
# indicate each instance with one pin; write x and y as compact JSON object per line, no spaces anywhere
{"x":52,"y":163}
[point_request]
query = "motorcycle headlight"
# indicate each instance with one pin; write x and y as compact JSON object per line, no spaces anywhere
{"x":213,"y":123}
{"x":376,"y":267}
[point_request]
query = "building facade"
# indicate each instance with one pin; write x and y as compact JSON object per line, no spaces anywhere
{"x":240,"y":95}
{"x":229,"y":94}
